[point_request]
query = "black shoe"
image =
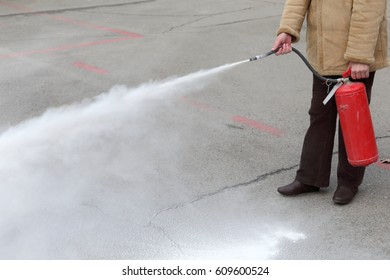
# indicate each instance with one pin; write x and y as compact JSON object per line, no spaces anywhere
{"x":296,"y":188}
{"x":344,"y":195}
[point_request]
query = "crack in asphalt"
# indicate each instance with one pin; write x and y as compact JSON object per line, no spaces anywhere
{"x":166,"y":235}
{"x":239,"y":21}
{"x":382,"y":137}
{"x":219,"y":191}
{"x":200,"y":197}
{"x":220,"y":24}
{"x":211,"y":194}
{"x":231,"y":22}
{"x":185,"y":24}
{"x":140,"y":15}
{"x":270,"y":2}
{"x":207,"y":195}
{"x":234,"y":126}
{"x":172,"y":15}
{"x":202,"y":17}
{"x":58,"y":11}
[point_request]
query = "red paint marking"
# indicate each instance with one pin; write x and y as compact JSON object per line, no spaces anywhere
{"x":382,"y":165}
{"x":239,"y":119}
{"x":63,"y":48}
{"x":125,"y":35}
{"x":22,"y":8}
{"x":257,"y":125}
{"x":89,"y":68}
{"x":199,"y":105}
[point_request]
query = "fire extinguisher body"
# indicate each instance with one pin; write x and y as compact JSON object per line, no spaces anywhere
{"x":356,"y":124}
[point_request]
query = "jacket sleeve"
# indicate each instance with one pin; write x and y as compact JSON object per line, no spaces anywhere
{"x":294,"y":14}
{"x":367,"y":16}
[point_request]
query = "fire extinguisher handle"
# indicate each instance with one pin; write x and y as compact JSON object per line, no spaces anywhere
{"x":347,"y":73}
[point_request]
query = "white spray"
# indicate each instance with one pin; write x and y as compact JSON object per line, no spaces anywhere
{"x":55,"y":168}
{"x":83,"y":181}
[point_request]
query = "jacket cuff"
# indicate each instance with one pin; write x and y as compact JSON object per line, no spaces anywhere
{"x":285,"y":29}
{"x":357,"y":59}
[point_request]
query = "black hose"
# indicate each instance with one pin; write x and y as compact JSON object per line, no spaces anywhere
{"x":316,"y":74}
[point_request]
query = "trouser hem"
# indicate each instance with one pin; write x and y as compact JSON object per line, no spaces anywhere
{"x":312,"y":182}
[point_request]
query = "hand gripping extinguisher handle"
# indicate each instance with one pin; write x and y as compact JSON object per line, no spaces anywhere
{"x":347,"y":73}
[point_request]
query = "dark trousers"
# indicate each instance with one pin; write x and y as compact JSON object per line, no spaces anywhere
{"x":317,"y":151}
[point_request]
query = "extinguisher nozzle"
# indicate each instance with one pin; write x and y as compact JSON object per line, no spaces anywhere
{"x":261,"y":56}
{"x":255,"y":58}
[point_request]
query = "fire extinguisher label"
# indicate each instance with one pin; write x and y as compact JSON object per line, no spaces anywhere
{"x":343,"y":107}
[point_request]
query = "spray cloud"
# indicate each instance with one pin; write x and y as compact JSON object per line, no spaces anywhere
{"x":66,"y":174}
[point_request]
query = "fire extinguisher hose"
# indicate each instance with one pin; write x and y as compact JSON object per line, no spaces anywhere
{"x":316,"y":74}
{"x":329,"y":81}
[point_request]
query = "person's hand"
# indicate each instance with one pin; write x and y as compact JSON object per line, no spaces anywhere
{"x":359,"y":70}
{"x":283,"y":42}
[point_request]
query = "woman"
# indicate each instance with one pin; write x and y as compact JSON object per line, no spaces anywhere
{"x":341,"y":34}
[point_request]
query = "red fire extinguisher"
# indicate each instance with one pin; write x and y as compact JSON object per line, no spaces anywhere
{"x":356,"y":123}
{"x":354,"y":114}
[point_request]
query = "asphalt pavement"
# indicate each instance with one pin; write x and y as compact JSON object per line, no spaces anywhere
{"x":105,"y":156}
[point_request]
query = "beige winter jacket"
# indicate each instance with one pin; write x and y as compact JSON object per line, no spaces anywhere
{"x":339,"y":31}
